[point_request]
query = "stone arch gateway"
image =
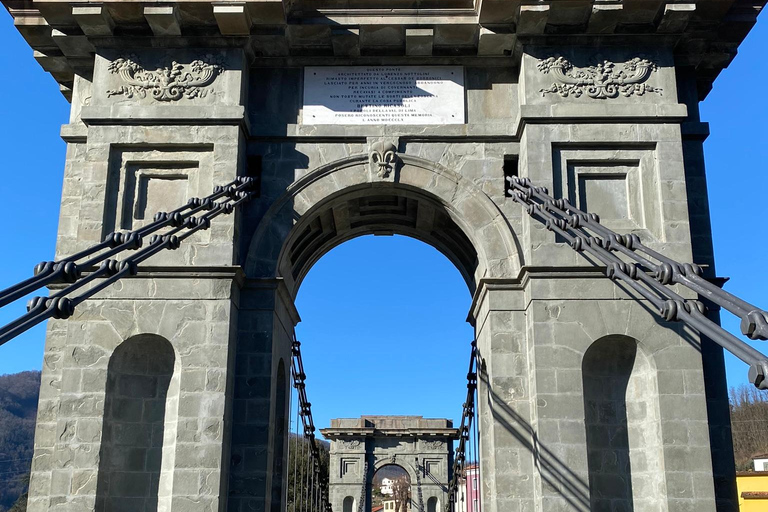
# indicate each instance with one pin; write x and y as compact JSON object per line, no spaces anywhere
{"x":171,"y":99}
{"x":366,"y":451}
{"x":423,"y":200}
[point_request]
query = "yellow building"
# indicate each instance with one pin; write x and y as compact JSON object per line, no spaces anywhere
{"x":753,"y":491}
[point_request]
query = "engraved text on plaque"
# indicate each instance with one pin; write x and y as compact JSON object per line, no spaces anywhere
{"x":384,"y":95}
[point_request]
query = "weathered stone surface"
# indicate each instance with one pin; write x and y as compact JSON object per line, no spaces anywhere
{"x":163,"y":19}
{"x":423,"y":447}
{"x":555,"y":337}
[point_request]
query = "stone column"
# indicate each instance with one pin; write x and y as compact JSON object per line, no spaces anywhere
{"x":133,"y":151}
{"x":265,"y":334}
{"x":616,"y":152}
{"x":347,"y":472}
{"x":505,"y":394}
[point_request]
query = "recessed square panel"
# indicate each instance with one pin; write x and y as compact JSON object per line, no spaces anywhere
{"x":619,"y":184}
{"x":348,"y":466}
{"x":605,"y":195}
{"x":154,"y":190}
{"x":432,"y":467}
{"x":609,"y":189}
{"x":147,"y":180}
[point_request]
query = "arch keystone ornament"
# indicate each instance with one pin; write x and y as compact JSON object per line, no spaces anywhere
{"x":604,"y":80}
{"x":383,"y":159}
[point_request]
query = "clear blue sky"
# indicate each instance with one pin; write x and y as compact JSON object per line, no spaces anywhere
{"x":406,"y":326}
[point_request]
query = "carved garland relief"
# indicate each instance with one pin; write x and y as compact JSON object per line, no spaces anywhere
{"x":164,"y":84}
{"x":601,"y":81}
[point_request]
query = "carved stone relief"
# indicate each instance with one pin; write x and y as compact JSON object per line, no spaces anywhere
{"x":433,"y":445}
{"x":604,"y":80}
{"x":170,"y":83}
{"x":349,"y":445}
{"x":383,"y":158}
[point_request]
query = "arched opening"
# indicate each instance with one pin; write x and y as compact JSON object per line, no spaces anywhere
{"x":432,"y":504}
{"x":391,"y":489}
{"x":624,"y":449}
{"x":379,"y":306}
{"x":359,"y":212}
{"x":374,"y":309}
{"x":349,"y":504}
{"x":344,"y":200}
{"x":279,"y":435}
{"x":131,"y":464}
{"x":332,"y":208}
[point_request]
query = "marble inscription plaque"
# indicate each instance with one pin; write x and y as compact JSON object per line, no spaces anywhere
{"x":384,"y":95}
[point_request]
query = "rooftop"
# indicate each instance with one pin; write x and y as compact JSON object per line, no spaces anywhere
{"x":398,"y":426}
{"x":704,"y":34}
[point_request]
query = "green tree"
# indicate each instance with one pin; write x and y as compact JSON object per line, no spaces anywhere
{"x":300,"y":473}
{"x":21,"y":503}
{"x":749,"y":421}
{"x":18,"y":410}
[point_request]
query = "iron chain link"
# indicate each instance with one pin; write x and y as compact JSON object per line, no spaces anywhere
{"x":650,"y":274}
{"x":62,"y":304}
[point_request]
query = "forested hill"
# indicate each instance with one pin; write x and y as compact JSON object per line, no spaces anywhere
{"x":18,"y":408}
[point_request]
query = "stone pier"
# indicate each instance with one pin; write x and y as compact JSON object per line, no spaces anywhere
{"x":167,"y":391}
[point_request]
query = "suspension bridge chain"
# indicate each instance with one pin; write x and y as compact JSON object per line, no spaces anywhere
{"x":650,"y":274}
{"x":183,"y":223}
{"x":361,"y":503}
{"x":468,"y":423}
{"x":313,"y":495}
{"x":419,"y":469}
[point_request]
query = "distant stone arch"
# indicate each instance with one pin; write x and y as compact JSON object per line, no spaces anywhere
{"x":432,"y":504}
{"x":397,"y":479}
{"x":134,"y":468}
{"x":349,"y":504}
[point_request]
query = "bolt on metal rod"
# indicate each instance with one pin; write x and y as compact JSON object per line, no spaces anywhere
{"x":224,"y":200}
{"x":650,"y":274}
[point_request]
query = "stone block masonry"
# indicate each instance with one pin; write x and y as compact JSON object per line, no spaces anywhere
{"x":421,"y":448}
{"x":165,"y":393}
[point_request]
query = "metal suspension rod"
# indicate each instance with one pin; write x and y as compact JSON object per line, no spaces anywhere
{"x":478,"y":488}
{"x":305,"y":408}
{"x":650,"y":274}
{"x":468,"y":411}
{"x":286,"y":482}
{"x":297,"y":452}
{"x":305,"y":479}
{"x":311,"y":494}
{"x":62,"y":304}
{"x":69,"y":270}
{"x":754,"y":321}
